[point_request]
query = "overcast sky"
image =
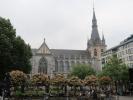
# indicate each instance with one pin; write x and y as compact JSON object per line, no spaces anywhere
{"x":66,"y":24}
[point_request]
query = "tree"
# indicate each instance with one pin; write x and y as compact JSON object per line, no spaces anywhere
{"x":40,"y":79}
{"x":104,"y":80}
{"x":82,"y":71}
{"x":91,"y":80}
{"x":14,"y":52}
{"x":74,"y":82}
{"x":18,"y":77}
{"x":115,"y":69}
{"x":21,"y":55}
{"x":58,"y":80}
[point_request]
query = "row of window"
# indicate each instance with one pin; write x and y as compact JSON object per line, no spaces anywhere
{"x":126,"y":46}
{"x":130,"y":65}
{"x":72,"y":62}
{"x":66,"y":66}
{"x":129,"y":58}
{"x":128,"y":51}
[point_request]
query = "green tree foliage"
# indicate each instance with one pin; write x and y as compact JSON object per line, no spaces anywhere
{"x":82,"y":71}
{"x":115,"y":69}
{"x":14,"y":52}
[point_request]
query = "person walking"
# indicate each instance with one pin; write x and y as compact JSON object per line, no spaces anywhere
{"x":94,"y":95}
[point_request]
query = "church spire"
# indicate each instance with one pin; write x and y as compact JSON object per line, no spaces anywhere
{"x":103,"y":39}
{"x":94,"y":34}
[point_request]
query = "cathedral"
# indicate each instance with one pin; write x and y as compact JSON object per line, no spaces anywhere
{"x":50,"y":61}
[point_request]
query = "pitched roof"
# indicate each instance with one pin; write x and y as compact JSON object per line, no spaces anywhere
{"x":66,"y":52}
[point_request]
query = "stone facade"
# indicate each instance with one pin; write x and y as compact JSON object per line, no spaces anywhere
{"x":51,"y":61}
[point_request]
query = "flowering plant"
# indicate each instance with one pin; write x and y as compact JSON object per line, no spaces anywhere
{"x":74,"y":81}
{"x":58,"y":79}
{"x":105,"y":80}
{"x":18,"y":77}
{"x":91,"y":80}
{"x":40,"y":79}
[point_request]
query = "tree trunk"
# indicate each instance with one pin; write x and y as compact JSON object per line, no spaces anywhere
{"x":116,"y":87}
{"x":74,"y":90}
{"x":22,"y":88}
{"x":65,"y":89}
{"x":47,"y":88}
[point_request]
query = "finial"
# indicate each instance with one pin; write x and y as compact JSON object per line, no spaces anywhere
{"x":93,"y":6}
{"x":102,"y":36}
{"x":94,"y":17}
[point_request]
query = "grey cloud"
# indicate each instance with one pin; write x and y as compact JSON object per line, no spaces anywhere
{"x":67,"y":23}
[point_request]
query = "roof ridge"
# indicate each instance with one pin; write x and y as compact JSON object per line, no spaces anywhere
{"x":68,"y":49}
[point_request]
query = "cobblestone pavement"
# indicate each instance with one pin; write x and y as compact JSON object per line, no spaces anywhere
{"x":125,"y":98}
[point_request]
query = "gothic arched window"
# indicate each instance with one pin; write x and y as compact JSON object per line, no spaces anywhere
{"x":42,"y":66}
{"x":66,"y":66}
{"x":61,"y":66}
{"x":56,"y":66}
{"x":95,"y":52}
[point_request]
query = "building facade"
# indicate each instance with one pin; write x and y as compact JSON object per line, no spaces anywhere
{"x":124,"y":51}
{"x":49,"y":61}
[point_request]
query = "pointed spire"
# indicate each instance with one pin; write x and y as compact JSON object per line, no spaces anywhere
{"x":94,"y":16}
{"x":94,"y":35}
{"x":44,"y":39}
{"x":94,"y":20}
{"x":103,"y":37}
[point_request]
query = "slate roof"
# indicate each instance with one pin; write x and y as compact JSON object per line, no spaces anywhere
{"x":68,"y":53}
{"x":126,"y":41}
{"x":94,"y":34}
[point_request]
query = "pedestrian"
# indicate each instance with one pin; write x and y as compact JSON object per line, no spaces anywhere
{"x":7,"y":81}
{"x":94,"y":95}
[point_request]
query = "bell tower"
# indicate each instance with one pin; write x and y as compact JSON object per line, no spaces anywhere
{"x":95,"y":45}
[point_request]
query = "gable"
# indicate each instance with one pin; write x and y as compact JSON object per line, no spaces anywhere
{"x":43,"y":49}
